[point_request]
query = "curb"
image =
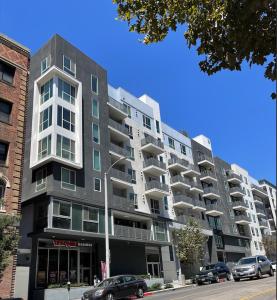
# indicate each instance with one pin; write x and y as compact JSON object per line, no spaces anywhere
{"x":146,"y":294}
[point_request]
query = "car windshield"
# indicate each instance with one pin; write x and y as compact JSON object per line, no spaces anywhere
{"x":209,"y":267}
{"x":105,"y":283}
{"x":247,"y":261}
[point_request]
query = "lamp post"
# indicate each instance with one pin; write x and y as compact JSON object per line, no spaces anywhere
{"x":107,"y":242}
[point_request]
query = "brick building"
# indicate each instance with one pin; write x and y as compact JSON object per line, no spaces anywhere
{"x":14,"y":68}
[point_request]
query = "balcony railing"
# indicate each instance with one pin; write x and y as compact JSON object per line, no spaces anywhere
{"x":210,"y":190}
{"x":258,"y":190}
{"x":132,"y":233}
{"x":233,"y":176}
{"x":236,"y":189}
{"x":205,"y":173}
{"x":121,"y":175}
{"x":204,"y":157}
{"x":181,"y":179}
{"x":176,"y":160}
{"x":213,"y":206}
{"x":239,"y":203}
{"x":119,"y":150}
{"x":151,"y":140}
{"x":154,"y":162}
{"x":183,"y":199}
{"x":196,"y":185}
{"x":122,"y":203}
{"x":118,"y":126}
{"x":185,"y":220}
{"x":198,"y":203}
{"x":118,"y":105}
{"x":192,"y":168}
{"x":260,"y":211}
{"x":242,"y":218}
{"x":154,"y":184}
{"x":263,"y":223}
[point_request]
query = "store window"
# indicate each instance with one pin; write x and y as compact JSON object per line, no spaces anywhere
{"x":66,"y":91}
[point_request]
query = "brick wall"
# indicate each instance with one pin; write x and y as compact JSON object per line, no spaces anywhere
{"x":13,"y":133}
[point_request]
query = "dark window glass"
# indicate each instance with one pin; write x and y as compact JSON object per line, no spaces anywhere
{"x":97,"y":184}
{"x":61,"y":223}
{"x":158,"y":126}
{"x":3,"y":152}
{"x":6,"y":72}
{"x":90,"y":226}
{"x":171,"y":253}
{"x":42,"y":267}
{"x":5,"y":111}
{"x":53,"y":267}
{"x":63,"y":266}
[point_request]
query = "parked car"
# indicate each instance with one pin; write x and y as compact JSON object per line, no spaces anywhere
{"x":253,"y":266}
{"x":117,"y":287}
{"x":213,"y":273}
{"x":273,"y":264}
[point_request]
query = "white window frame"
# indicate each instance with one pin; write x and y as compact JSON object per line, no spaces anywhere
{"x":90,"y":221}
{"x":71,"y":152}
{"x":70,"y":122}
{"x":171,"y":145}
{"x":62,"y":216}
{"x":93,"y":112}
{"x":183,"y":147}
{"x":47,"y":60}
{"x":48,"y":146}
{"x":154,"y":210}
{"x":93,"y":166}
{"x":62,"y":93}
{"x":72,"y":70}
{"x":97,"y":83}
{"x":100,"y":181}
{"x":98,"y":138}
{"x":145,"y":119}
{"x":66,"y":183}
{"x":42,"y":185}
{"x":47,"y":121}
{"x":47,"y":94}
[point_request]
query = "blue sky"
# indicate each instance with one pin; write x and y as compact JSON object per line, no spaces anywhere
{"x":234,"y":109}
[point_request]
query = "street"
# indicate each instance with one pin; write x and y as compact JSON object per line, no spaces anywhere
{"x":263,"y":289}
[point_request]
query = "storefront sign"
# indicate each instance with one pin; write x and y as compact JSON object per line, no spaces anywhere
{"x":70,"y":244}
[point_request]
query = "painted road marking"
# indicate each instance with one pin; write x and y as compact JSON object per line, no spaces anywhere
{"x":268,"y":291}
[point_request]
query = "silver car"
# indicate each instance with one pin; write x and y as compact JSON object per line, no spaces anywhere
{"x":254,"y":266}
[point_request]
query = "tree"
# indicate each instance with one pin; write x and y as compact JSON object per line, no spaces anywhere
{"x":8,"y":239}
{"x":226,"y":33}
{"x":269,"y":243}
{"x":190,"y":242}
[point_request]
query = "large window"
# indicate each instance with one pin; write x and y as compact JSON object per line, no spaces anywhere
{"x":94,"y":84}
{"x":5,"y":111}
{"x":90,"y":219}
{"x":171,"y":143}
{"x":46,"y":91}
{"x":44,"y":147}
{"x":69,"y":66}
{"x":66,"y":118}
{"x":96,"y":160}
{"x":65,"y":148}
{"x":68,"y":179}
{"x":45,"y":119}
{"x":45,"y":64}
{"x":3,"y":152}
{"x":146,"y":122}
{"x":159,"y":231}
{"x":95,"y":133}
{"x":131,"y":152}
{"x":155,"y":206}
{"x":6,"y":72}
{"x":2,"y":194}
{"x":66,"y":91}
{"x":95,"y":108}
{"x":61,"y":215}
{"x":41,"y":176}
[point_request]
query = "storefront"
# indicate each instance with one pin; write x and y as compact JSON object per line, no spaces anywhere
{"x":59,"y":261}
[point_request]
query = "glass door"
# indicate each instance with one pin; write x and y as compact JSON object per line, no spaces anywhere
{"x":153,"y":269}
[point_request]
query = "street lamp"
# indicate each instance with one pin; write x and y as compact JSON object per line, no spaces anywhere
{"x":107,"y":217}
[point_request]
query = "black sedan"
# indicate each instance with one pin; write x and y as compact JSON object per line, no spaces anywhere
{"x":117,"y":287}
{"x":213,"y":273}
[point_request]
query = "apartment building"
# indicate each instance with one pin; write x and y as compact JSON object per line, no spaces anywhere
{"x":14,"y":68}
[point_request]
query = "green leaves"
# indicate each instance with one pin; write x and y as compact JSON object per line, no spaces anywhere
{"x":225,"y":32}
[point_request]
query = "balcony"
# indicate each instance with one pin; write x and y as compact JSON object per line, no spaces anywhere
{"x":242,"y":220}
{"x":234,"y":178}
{"x":191,"y":171}
{"x":153,"y":166}
{"x":132,"y":233}
{"x":117,"y":109}
{"x":237,"y":249}
{"x":120,"y":179}
{"x":236,"y":191}
{"x":177,"y":164}
{"x":210,"y":193}
{"x":258,"y":200}
{"x":208,"y":176}
{"x":260,"y":212}
{"x":204,"y":160}
{"x":269,"y":214}
{"x":182,"y":201}
{"x":152,"y":145}
{"x":213,"y":210}
{"x":195,"y":187}
{"x":260,"y":192}
{"x":263,"y":224}
{"x":179,"y":181}
{"x":117,"y":151}
{"x":185,"y":220}
{"x":239,"y":205}
{"x":122,"y":203}
{"x":157,"y":189}
{"x":118,"y":131}
{"x":199,"y":205}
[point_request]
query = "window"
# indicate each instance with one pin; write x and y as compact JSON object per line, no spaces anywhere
{"x":134,"y":198}
{"x":248,"y":193}
{"x":256,"y":245}
{"x":128,"y":109}
{"x":66,"y":118}
{"x":183,"y":149}
{"x":61,"y":215}
{"x":68,"y":179}
{"x":41,"y":176}
{"x":218,"y":241}
{"x":65,"y":148}
{"x":146,"y":122}
{"x":90,"y":219}
{"x":245,"y":180}
{"x":261,"y":245}
{"x":44,"y":147}
{"x":131,"y":152}
{"x":45,"y":119}
{"x":132,"y":173}
{"x":234,"y":228}
{"x":45,"y":64}
{"x":130,"y":130}
{"x":159,"y":231}
{"x":257,"y":231}
{"x":155,"y":206}
{"x":3,"y":152}
{"x":2,"y":194}
{"x":171,"y":256}
{"x":95,"y":108}
{"x":252,"y":231}
{"x":95,"y":133}
{"x":251,"y":205}
{"x":171,"y":143}
{"x":66,"y":91}
{"x":165,"y":203}
{"x":231,"y":213}
{"x":254,"y":218}
{"x":5,"y":111}
{"x":97,"y":184}
{"x":46,"y":91}
{"x":68,"y":66}
{"x":94,"y":84}
{"x":6,"y":72}
{"x":96,"y":160}
{"x":158,"y":126}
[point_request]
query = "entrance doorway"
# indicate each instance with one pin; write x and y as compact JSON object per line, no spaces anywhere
{"x":153,"y":268}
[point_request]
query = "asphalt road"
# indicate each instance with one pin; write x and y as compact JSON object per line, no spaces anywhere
{"x":263,"y":289}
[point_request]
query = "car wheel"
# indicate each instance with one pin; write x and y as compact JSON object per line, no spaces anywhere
{"x":216,"y":278}
{"x":140,"y":293}
{"x":259,"y":275}
{"x":110,"y":297}
{"x":228,"y":276}
{"x":237,"y":279}
{"x":271,"y":272}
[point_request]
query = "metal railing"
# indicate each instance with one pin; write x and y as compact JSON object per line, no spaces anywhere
{"x":255,"y":187}
{"x":154,"y":162}
{"x":182,"y":199}
{"x":198,"y":203}
{"x":154,"y":184}
{"x":194,"y":184}
{"x":179,"y":178}
{"x":127,"y":232}
{"x":184,"y":219}
{"x":117,"y":105}
{"x":233,"y":175}
{"x":151,"y":140}
{"x":193,"y":168}
{"x":236,"y":189}
{"x":239,"y":203}
{"x":118,"y":126}
{"x":210,"y":189}
{"x":213,"y":206}
{"x":205,"y":173}
{"x":176,"y":160}
{"x":260,"y":211}
{"x":242,"y":218}
{"x":263,"y":223}
{"x":122,"y":203}
{"x":119,"y":150}
{"x":205,"y":157}
{"x":121,"y":175}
